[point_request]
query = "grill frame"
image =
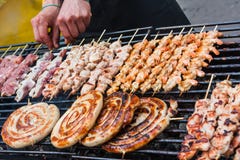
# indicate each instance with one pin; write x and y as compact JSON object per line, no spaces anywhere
{"x":166,"y":144}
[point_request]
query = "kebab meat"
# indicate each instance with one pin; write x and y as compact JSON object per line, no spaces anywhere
{"x":17,"y":75}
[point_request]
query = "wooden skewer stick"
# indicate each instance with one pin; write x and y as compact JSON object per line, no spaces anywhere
{"x":181,"y":31}
{"x":202,"y":29}
{"x":16,"y":50}
{"x":37,"y":48}
{"x":6,"y":51}
{"x":190,"y":30}
{"x":209,"y":85}
{"x":109,"y":39}
{"x":101,"y":35}
{"x":130,"y":41}
{"x":93,"y":40}
{"x":176,"y":118}
{"x":156,"y":36}
{"x":81,"y":41}
{"x":68,"y":46}
{"x":228,"y":77}
{"x":215,"y":28}
{"x":23,"y":49}
{"x":119,"y":38}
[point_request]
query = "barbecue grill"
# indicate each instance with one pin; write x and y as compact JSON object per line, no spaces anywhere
{"x":167,"y":144}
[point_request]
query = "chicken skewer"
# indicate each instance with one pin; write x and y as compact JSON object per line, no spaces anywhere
{"x":165,"y":59}
{"x":134,"y":55}
{"x":196,"y":63}
{"x":146,"y":69}
{"x":202,"y":128}
{"x":90,"y":65}
{"x":227,"y":125}
{"x":102,"y":62}
{"x":154,"y":60}
{"x":105,"y":79}
{"x":139,"y":63}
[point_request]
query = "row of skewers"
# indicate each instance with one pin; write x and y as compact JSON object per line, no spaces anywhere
{"x":167,"y":62}
{"x":156,"y":64}
{"x":214,"y":127}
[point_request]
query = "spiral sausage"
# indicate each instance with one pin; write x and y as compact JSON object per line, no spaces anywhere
{"x":150,"y":119}
{"x":29,"y":124}
{"x":77,"y":120}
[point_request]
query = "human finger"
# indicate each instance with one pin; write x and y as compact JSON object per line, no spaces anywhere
{"x":43,"y":32}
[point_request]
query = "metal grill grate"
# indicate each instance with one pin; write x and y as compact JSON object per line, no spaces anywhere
{"x":166,"y":144}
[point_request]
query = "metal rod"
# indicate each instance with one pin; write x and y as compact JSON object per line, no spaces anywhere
{"x":199,"y":25}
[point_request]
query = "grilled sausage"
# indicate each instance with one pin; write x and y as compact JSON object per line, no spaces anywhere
{"x":77,"y":120}
{"x":118,"y":111}
{"x":29,"y":124}
{"x":150,"y":119}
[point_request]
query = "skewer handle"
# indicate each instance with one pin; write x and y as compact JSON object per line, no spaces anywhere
{"x":176,"y":119}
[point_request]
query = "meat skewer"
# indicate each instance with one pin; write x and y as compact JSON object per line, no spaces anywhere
{"x":165,"y":61}
{"x":5,"y":52}
{"x":46,"y":75}
{"x":154,"y":60}
{"x":227,"y":125}
{"x":105,"y":78}
{"x":30,"y":81}
{"x":137,"y":64}
{"x":91,"y":63}
{"x":134,"y":55}
{"x":146,"y":69}
{"x":194,"y":68}
{"x":204,"y":135}
{"x":18,"y":74}
{"x":9,"y":64}
{"x":106,"y":55}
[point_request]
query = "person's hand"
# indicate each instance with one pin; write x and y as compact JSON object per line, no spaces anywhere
{"x":73,"y":18}
{"x":42,"y":22}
